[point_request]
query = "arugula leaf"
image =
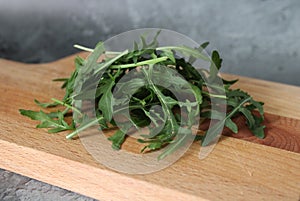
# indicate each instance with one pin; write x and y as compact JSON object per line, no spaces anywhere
{"x":216,"y":129}
{"x":152,"y":44}
{"x":249,"y":116}
{"x":231,"y":125}
{"x":163,"y":100}
{"x":153,"y":145}
{"x":45,"y":105}
{"x":169,"y":54}
{"x":216,"y":59}
{"x":187,"y":51}
{"x":117,"y":139}
{"x":152,"y":102}
{"x":259,"y":131}
{"x":56,"y":123}
{"x":105,"y":103}
{"x":64,"y":80}
{"x":70,"y":83}
{"x":180,"y":140}
{"x":259,"y":106}
{"x":215,"y":65}
{"x":91,"y":63}
{"x":200,"y":48}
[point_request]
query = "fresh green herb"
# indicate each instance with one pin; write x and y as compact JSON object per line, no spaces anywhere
{"x":157,"y":69}
{"x":54,"y":120}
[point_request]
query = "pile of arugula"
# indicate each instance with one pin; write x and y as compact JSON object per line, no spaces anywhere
{"x":100,"y":82}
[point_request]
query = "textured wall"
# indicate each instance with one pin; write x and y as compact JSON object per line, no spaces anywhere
{"x":256,"y":38}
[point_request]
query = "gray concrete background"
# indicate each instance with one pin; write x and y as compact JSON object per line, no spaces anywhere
{"x":257,"y":38}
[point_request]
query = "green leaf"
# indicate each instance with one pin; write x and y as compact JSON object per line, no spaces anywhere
{"x":213,"y":114}
{"x":91,"y":61}
{"x":86,"y":95}
{"x":135,"y":46}
{"x":193,"y":118}
{"x":46,"y":121}
{"x":186,"y":51}
{"x":143,"y":41}
{"x":151,"y":145}
{"x":155,"y":131}
{"x":109,"y":62}
{"x":237,"y":93}
{"x":85,"y":122}
{"x":204,"y":45}
{"x":101,"y":120}
{"x":259,"y":131}
{"x":216,"y":59}
{"x":169,"y":54}
{"x":60,"y":79}
{"x":153,"y":116}
{"x":117,"y":139}
{"x":249,"y":116}
{"x":45,"y":105}
{"x":64,"y":80}
{"x":153,"y":44}
{"x":137,"y":121}
{"x":162,"y":98}
{"x":231,"y":125}
{"x":106,"y":102}
{"x":189,"y":73}
{"x":215,"y":65}
{"x":200,"y":49}
{"x":179,"y":141}
{"x":259,"y":106}
{"x":93,"y":80}
{"x":216,"y":129}
{"x":170,"y":102}
{"x":197,"y":93}
{"x":69,"y":85}
{"x":230,"y":82}
{"x":129,"y":87}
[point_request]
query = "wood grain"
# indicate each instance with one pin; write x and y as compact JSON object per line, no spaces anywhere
{"x":281,"y":132}
{"x":280,"y":99}
{"x":236,"y":169}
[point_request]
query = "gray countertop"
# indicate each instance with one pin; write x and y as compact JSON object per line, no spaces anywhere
{"x":17,"y":187}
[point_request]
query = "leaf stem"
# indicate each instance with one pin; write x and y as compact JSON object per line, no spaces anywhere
{"x":207,"y":139}
{"x":200,"y":55}
{"x":187,"y":50}
{"x":66,"y":105}
{"x":147,"y":62}
{"x":111,"y":61}
{"x":80,"y":47}
{"x":214,"y":95}
{"x":148,"y":75}
{"x":83,"y":48}
{"x":237,"y":108}
{"x":81,"y":128}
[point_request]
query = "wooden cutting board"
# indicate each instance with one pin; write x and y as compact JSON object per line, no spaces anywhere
{"x":240,"y":167}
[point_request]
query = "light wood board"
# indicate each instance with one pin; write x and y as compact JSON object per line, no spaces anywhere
{"x":235,"y":170}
